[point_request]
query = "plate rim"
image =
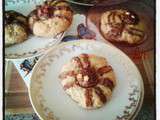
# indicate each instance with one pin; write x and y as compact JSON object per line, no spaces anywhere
{"x":38,"y":53}
{"x":140,"y":97}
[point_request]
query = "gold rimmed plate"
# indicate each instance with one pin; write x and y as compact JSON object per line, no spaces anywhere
{"x":49,"y":99}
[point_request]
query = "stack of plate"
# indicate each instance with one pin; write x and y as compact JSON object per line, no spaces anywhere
{"x":50,"y":101}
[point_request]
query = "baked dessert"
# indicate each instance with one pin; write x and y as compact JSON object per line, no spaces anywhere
{"x":16,"y":28}
{"x":123,"y":26}
{"x":50,"y":18}
{"x":89,"y":80}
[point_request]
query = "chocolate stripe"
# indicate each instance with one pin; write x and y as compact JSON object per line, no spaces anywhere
{"x":133,"y":32}
{"x":137,"y":30}
{"x":88,"y":95}
{"x":100,"y":93}
{"x":107,"y":82}
{"x":114,"y":17}
{"x":109,"y":18}
{"x":69,"y":85}
{"x":104,"y":69}
{"x":120,"y":17}
{"x":86,"y":62}
{"x":65,"y":74}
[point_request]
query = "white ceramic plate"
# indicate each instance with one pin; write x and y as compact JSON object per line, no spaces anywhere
{"x":51,"y":102}
{"x":33,"y":46}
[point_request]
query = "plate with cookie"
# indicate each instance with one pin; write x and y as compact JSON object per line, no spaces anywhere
{"x":33,"y":28}
{"x":87,"y":80}
{"x":129,"y":26}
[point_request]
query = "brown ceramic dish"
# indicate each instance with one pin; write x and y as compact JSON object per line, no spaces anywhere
{"x":144,"y":12}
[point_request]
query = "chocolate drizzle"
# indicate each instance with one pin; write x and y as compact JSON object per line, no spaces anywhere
{"x":130,"y":17}
{"x":118,"y":20}
{"x":107,"y":82}
{"x":88,"y":95}
{"x":104,"y":69}
{"x":48,"y":9}
{"x":86,"y":63}
{"x":127,"y":17}
{"x":15,"y":17}
{"x":134,"y":31}
{"x":100,"y":93}
{"x":88,"y":78}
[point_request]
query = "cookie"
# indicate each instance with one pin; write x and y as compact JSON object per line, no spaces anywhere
{"x":123,"y":26}
{"x":16,"y":28}
{"x":50,"y":18}
{"x":89,"y":80}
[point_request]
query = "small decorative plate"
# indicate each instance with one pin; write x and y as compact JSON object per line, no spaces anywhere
{"x":51,"y":102}
{"x":33,"y":46}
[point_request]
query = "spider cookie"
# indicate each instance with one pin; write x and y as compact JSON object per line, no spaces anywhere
{"x":123,"y":26}
{"x":16,"y":28}
{"x":50,"y":18}
{"x":89,"y":80}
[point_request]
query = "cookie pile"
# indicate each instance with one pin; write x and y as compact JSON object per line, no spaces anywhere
{"x":47,"y":20}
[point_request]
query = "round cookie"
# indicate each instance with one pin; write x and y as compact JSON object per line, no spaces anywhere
{"x":123,"y":26}
{"x":88,"y":80}
{"x":16,"y":29}
{"x":51,"y":18}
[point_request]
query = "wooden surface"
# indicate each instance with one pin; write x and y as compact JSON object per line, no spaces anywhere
{"x":16,"y":93}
